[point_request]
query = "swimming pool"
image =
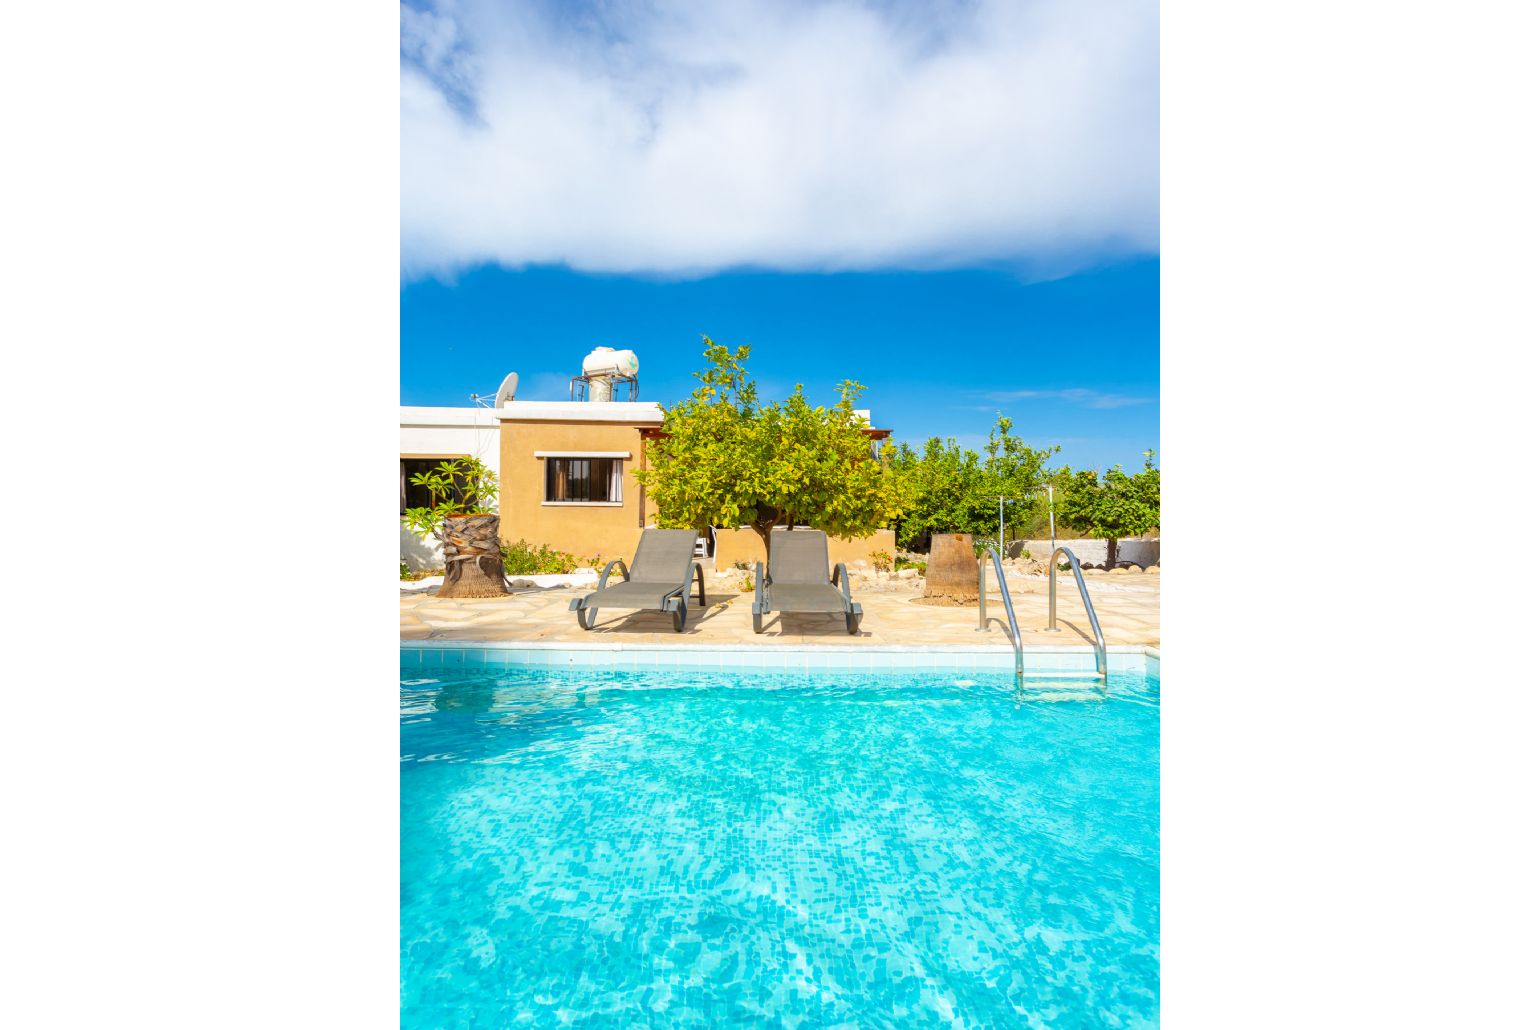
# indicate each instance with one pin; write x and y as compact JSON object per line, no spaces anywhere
{"x":693,"y":847}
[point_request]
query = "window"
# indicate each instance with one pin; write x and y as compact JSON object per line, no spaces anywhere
{"x":417,"y":496}
{"x":583,"y":480}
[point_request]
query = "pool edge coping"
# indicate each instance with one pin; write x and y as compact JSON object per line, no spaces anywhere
{"x":767,"y":654}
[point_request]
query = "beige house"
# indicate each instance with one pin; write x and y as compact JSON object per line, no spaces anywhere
{"x":564,"y":474}
{"x":565,"y":478}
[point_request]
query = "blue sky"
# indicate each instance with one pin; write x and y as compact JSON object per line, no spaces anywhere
{"x":955,"y":203}
{"x":1073,"y":361}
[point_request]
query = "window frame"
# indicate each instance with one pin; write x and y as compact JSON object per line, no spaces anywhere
{"x":618,"y":481}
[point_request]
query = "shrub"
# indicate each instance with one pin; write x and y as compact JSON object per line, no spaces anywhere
{"x":456,"y":486}
{"x":406,"y":573}
{"x":1112,"y":505}
{"x":882,"y":561}
{"x":956,"y":490}
{"x":747,"y":585}
{"x":904,"y":564}
{"x":522,"y":558}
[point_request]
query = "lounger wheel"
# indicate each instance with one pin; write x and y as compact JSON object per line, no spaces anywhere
{"x":852,"y":623}
{"x":587,"y":617}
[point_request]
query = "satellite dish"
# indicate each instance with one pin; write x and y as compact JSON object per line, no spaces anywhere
{"x":505,"y":391}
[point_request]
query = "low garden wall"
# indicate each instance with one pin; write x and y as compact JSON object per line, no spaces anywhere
{"x":1090,"y":552}
{"x":735,"y":545}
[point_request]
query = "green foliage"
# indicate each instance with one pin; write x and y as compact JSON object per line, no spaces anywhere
{"x":727,"y":459}
{"x":904,"y":563}
{"x":948,"y":491}
{"x":1111,"y":505}
{"x":954,"y":490}
{"x":882,"y":561}
{"x":406,"y":572}
{"x":456,"y":486}
{"x":522,"y":558}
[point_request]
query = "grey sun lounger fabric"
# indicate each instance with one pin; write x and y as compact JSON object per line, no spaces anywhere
{"x":799,"y":579}
{"x":658,"y":578}
{"x":631,"y":595}
{"x":805,"y":597}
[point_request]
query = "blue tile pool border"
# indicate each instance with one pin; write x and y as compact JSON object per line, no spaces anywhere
{"x":471,"y":653}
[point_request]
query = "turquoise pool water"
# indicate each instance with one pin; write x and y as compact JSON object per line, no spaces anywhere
{"x":688,"y":847}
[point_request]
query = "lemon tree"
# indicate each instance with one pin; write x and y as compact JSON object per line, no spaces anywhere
{"x":727,"y":459}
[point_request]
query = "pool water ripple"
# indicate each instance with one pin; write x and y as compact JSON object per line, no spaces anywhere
{"x":693,"y":848}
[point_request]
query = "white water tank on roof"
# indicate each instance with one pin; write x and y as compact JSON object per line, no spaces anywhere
{"x":607,"y":361}
{"x":604,"y":364}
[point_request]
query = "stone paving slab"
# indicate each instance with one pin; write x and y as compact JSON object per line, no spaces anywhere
{"x":1128,"y":605}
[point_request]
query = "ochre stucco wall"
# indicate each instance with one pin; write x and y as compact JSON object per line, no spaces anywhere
{"x":583,"y":530}
{"x":735,"y":545}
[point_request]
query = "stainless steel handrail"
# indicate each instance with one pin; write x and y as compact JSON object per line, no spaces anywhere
{"x":1010,"y":609}
{"x":1053,"y":604}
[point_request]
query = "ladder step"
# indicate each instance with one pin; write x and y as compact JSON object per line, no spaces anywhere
{"x":1061,"y":695}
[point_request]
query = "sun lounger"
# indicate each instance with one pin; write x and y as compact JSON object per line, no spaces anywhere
{"x":657,"y":579}
{"x":799,"y":580}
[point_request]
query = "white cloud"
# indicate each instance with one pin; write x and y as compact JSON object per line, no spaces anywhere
{"x":1074,"y":395}
{"x":682,"y":137}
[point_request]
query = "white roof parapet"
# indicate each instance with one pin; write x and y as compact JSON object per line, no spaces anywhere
{"x":467,"y":416}
{"x":649,"y":412}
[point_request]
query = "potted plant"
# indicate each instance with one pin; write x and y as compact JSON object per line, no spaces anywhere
{"x":459,"y":512}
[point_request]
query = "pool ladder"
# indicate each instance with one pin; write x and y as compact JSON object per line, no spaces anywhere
{"x":1053,"y":606}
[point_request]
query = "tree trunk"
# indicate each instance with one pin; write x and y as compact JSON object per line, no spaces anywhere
{"x":473,"y":557}
{"x":766,"y":519}
{"x":763,"y":529}
{"x":952,"y":572}
{"x":1112,"y":553}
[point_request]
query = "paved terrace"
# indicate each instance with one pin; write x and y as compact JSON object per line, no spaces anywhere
{"x":1127,"y":603}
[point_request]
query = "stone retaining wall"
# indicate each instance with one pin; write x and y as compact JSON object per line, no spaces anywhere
{"x":1090,"y":552}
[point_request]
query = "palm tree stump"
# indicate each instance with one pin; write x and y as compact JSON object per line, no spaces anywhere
{"x":473,"y":557}
{"x":952,"y":572}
